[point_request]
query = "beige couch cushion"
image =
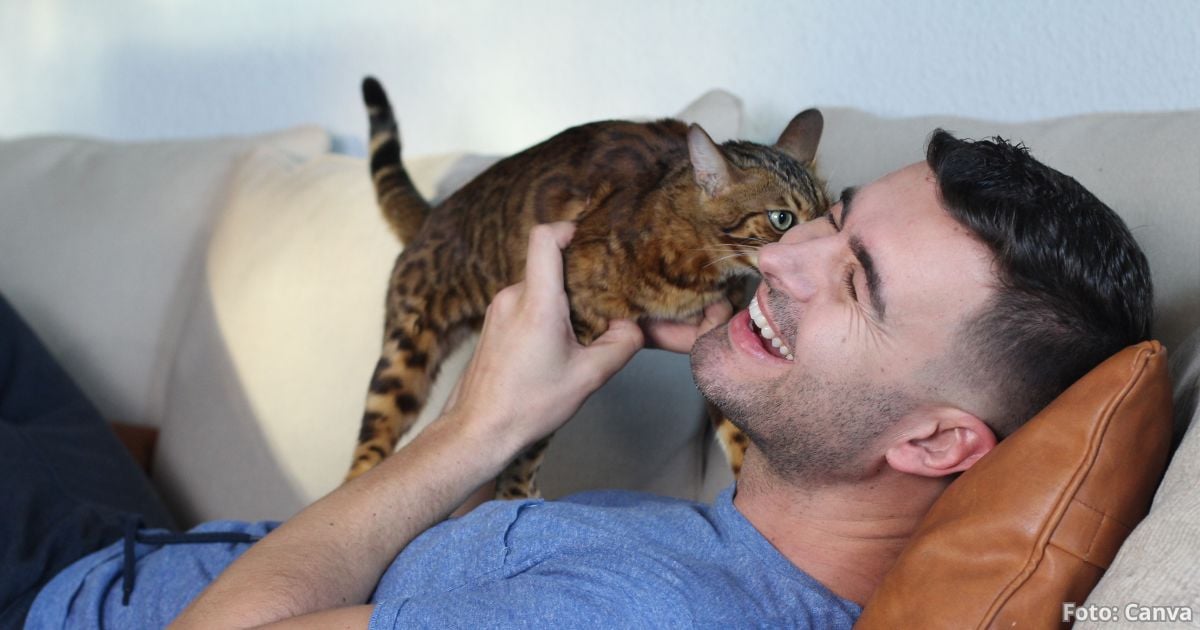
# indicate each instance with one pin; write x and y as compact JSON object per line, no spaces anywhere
{"x":99,"y":247}
{"x":263,"y":393}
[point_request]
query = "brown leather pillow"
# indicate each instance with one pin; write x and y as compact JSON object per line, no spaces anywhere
{"x":1036,"y":522}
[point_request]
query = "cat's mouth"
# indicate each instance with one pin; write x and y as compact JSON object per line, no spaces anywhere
{"x":767,"y":335}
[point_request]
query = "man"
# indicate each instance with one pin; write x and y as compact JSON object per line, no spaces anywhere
{"x":919,"y":312}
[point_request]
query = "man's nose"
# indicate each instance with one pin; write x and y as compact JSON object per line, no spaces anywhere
{"x":799,"y":260}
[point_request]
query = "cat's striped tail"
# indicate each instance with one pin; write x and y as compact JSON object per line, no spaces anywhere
{"x":403,"y":207}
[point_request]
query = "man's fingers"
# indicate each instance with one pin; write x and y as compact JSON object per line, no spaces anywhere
{"x":716,"y":314}
{"x":673,"y":336}
{"x":610,"y":351}
{"x":680,"y":336}
{"x":543,"y":263}
{"x":563,"y":232}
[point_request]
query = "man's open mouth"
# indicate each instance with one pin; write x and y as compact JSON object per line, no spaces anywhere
{"x":770,"y":338}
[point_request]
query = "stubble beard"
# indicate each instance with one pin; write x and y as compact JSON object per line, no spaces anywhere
{"x":811,"y":428}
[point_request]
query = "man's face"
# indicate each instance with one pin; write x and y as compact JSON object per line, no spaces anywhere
{"x":867,"y":304}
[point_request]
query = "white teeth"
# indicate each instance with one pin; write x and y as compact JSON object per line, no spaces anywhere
{"x":766,"y":331}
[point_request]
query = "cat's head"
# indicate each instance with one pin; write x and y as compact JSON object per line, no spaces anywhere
{"x":750,"y":194}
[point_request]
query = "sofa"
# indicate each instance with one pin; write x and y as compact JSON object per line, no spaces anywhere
{"x":228,"y":294}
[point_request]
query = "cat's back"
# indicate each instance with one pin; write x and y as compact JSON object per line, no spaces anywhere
{"x":548,"y":180}
{"x":607,"y":167}
{"x":634,"y":149}
{"x":631,"y":150}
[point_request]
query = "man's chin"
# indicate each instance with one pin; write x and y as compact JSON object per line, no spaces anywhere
{"x":708,"y":356}
{"x":708,"y":347}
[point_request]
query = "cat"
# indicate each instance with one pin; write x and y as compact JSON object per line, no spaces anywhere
{"x":666,"y":222}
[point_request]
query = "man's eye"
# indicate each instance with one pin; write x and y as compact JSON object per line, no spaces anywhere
{"x":849,"y":282}
{"x":829,"y":217}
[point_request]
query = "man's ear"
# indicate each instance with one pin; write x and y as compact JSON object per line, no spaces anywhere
{"x":941,"y":442}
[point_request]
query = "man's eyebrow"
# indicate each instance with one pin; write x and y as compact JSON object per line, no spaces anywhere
{"x":874,"y":282}
{"x":847,"y":197}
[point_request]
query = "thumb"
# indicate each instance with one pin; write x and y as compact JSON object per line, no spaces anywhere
{"x":715,"y":314}
{"x":612,"y":350}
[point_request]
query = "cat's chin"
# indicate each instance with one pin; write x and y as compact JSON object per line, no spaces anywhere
{"x":745,"y":340}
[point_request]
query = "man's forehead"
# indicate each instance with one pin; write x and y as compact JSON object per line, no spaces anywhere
{"x":925,"y":258}
{"x":912,"y":185}
{"x":909,"y":180}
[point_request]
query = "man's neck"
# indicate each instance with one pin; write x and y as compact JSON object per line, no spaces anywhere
{"x":845,"y":535}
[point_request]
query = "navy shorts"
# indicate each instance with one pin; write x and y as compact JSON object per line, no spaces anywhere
{"x":67,"y":485}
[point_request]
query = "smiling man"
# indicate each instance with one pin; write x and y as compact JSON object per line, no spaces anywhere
{"x":914,"y":323}
{"x":920,"y":316}
{"x":855,"y":433}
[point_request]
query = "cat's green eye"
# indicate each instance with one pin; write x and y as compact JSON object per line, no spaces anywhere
{"x":781,"y":219}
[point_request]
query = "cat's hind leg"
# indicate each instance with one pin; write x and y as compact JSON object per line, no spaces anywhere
{"x":398,"y":391}
{"x":519,"y":479}
{"x":431,"y":309}
{"x":733,"y":442}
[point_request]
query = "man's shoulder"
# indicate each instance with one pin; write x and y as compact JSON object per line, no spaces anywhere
{"x":626,"y":499}
{"x":631,"y":510}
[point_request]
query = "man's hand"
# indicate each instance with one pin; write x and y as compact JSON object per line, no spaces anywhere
{"x":680,"y":336}
{"x":529,"y":374}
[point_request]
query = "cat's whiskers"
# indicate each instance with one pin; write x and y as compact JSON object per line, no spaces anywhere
{"x":717,"y":260}
{"x":728,"y":247}
{"x":734,"y":250}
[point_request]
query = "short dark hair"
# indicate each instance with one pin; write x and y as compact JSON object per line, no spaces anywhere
{"x":1073,"y":286}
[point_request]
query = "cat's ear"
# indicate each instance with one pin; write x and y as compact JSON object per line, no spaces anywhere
{"x":801,"y":136}
{"x":712,"y":171}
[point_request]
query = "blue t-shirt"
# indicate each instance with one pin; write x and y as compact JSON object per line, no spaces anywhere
{"x":597,"y":559}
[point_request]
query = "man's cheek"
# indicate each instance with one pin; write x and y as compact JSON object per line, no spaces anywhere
{"x":823,"y":341}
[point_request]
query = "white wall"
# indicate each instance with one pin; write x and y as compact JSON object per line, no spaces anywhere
{"x":496,"y":76}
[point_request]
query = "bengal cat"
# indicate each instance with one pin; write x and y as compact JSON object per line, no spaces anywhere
{"x":666,"y":221}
